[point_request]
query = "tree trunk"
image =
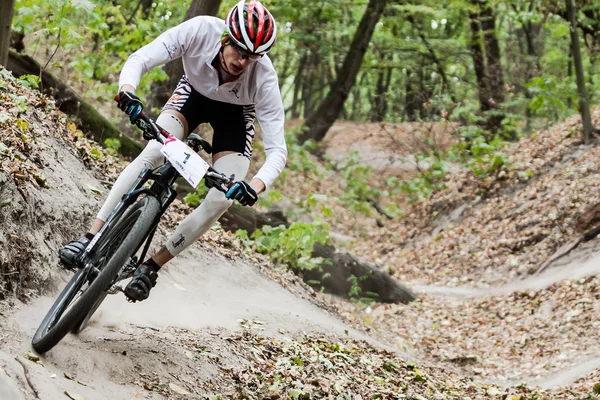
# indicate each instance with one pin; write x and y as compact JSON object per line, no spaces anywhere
{"x":90,"y":120}
{"x":161,"y":91}
{"x":6,"y":13}
{"x":337,"y":272}
{"x":380,"y":103}
{"x":486,"y":61}
{"x":433,"y":56}
{"x":355,"y":109}
{"x":584,"y":107}
{"x":478,"y":59}
{"x":411,"y":101}
{"x":298,"y":80}
{"x":319,"y":123}
{"x":308,"y":83}
{"x":492,"y":53}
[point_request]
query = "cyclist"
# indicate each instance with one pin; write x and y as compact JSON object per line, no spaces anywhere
{"x":228,"y":81}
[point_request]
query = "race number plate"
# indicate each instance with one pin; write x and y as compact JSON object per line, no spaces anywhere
{"x":185,"y":160}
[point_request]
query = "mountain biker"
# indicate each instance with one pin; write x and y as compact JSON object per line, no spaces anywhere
{"x":228,"y":81}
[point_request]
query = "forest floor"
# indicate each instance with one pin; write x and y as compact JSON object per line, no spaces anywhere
{"x":225,"y":323}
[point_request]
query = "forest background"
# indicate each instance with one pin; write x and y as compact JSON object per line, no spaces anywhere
{"x":500,"y":70}
{"x":491,"y":72}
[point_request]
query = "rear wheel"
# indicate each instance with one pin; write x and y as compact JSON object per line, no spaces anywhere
{"x":82,"y":296}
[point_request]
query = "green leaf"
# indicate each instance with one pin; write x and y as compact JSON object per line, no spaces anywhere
{"x":298,"y":361}
{"x":391,"y":366}
{"x":84,"y":5}
{"x":94,"y":190}
{"x":4,"y":117}
{"x":337,"y":386}
{"x":74,"y":34}
{"x":597,"y":388}
{"x":297,"y":394}
{"x":96,"y":153}
{"x":6,"y":203}
{"x":493,"y":391}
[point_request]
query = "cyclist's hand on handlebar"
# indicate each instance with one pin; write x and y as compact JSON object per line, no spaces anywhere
{"x":243,"y":193}
{"x":130,"y":104}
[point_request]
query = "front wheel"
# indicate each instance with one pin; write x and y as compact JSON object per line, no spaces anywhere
{"x":80,"y":298}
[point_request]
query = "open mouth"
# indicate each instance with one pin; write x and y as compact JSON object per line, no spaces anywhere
{"x":235,"y":69}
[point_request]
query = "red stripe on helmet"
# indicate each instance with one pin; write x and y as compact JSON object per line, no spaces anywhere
{"x":261,"y":25}
{"x":234,"y":25}
{"x":270,"y":32}
{"x":251,"y":6}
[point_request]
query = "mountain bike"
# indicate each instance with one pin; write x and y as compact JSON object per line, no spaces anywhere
{"x":112,"y":255}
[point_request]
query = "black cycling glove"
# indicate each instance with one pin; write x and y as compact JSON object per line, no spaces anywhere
{"x":131,"y":105}
{"x":243,"y":193}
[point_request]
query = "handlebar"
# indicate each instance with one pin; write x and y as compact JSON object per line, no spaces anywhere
{"x":151,"y":130}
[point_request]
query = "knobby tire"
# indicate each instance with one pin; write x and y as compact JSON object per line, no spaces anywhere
{"x":122,"y":241}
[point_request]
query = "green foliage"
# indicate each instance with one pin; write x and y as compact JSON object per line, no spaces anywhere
{"x":112,"y":145}
{"x":194,"y":199}
{"x":29,"y":81}
{"x":358,"y":188}
{"x":93,"y":38}
{"x":20,"y":102}
{"x":292,"y":246}
{"x":270,"y":197}
{"x":299,"y":156}
{"x":356,"y":291}
{"x":552,"y":96}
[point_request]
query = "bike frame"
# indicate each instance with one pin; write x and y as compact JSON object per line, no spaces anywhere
{"x":162,"y":178}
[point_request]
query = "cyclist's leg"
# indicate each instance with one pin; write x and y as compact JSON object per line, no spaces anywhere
{"x":232,"y":151}
{"x":150,"y":157}
{"x":211,"y":209}
{"x":174,"y":121}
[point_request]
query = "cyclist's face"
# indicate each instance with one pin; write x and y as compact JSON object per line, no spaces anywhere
{"x":236,"y":60}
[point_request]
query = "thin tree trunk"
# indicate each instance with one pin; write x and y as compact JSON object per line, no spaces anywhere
{"x":308,"y":84}
{"x":6,"y":12}
{"x":478,"y":59}
{"x":329,"y":109}
{"x":298,"y":81}
{"x":433,"y":56}
{"x":584,"y":107}
{"x":161,"y":91}
{"x":492,"y":53}
{"x":356,"y":97}
{"x":411,"y":102}
{"x":284,"y":73}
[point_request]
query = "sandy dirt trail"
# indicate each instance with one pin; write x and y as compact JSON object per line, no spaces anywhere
{"x":581,"y":263}
{"x":199,"y":292}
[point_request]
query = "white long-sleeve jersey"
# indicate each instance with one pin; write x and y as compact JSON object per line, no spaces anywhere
{"x":198,"y":41}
